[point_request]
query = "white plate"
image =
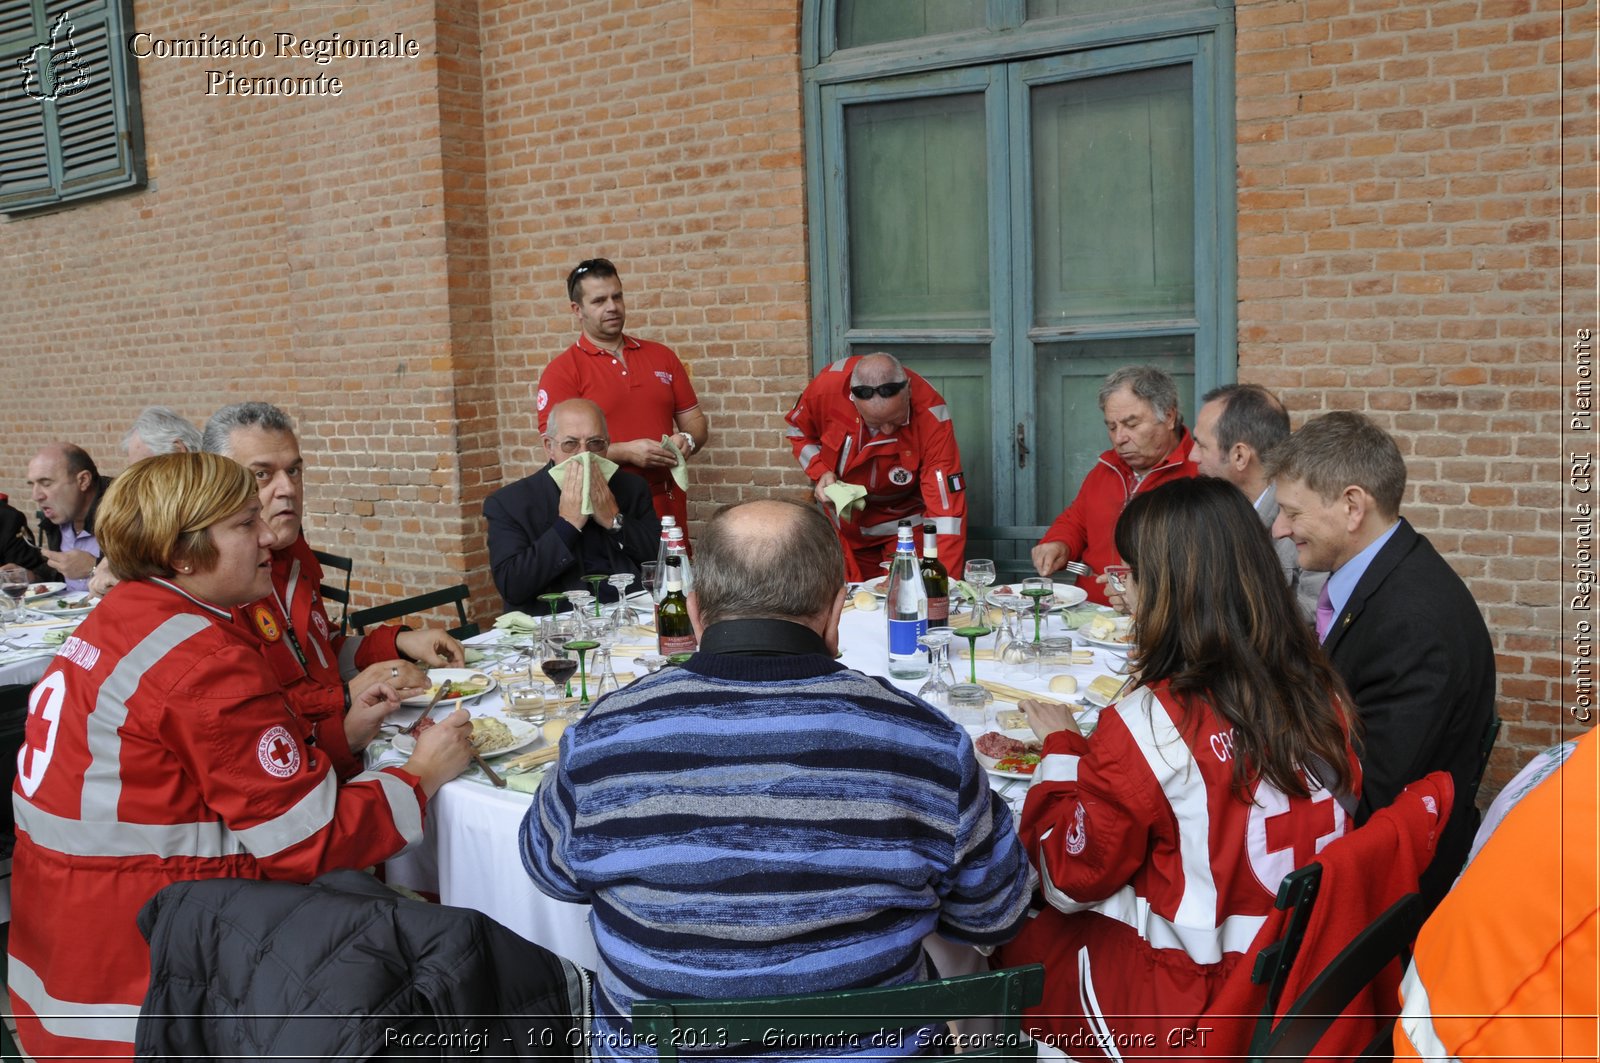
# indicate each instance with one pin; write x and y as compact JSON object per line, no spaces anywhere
{"x":456,"y":675}
{"x":37,"y":591}
{"x":526,"y":734}
{"x":1069,"y":595}
{"x":1122,"y":646}
{"x":1023,"y":735}
{"x":59,"y":606}
{"x":877,"y":585}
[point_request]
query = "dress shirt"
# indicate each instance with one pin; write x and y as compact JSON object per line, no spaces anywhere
{"x":1342,"y":583}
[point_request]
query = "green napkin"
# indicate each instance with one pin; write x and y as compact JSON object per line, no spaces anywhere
{"x":471,"y":655}
{"x":56,"y":637}
{"x":585,"y":464}
{"x":848,"y":499}
{"x":517,"y":623}
{"x":525,"y":782}
{"x":680,"y":471}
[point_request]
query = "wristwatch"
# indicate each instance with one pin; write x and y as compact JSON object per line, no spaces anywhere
{"x":616,"y":523}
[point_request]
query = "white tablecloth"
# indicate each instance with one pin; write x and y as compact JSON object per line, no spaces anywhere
{"x":24,"y":655}
{"x":471,"y":858}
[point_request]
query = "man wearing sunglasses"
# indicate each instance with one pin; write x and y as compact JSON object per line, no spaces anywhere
{"x":869,"y":421}
{"x":546,"y":535}
{"x":641,"y":387}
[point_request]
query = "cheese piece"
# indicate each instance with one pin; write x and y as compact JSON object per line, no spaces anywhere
{"x":1105,"y":688}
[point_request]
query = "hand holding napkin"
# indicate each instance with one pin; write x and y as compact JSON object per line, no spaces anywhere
{"x":586,"y":465}
{"x":848,"y":499}
{"x":680,"y":471}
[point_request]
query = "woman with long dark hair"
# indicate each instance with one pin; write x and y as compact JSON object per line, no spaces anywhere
{"x":1160,"y":840}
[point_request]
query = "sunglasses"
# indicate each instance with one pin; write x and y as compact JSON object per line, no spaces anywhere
{"x":883,"y":391}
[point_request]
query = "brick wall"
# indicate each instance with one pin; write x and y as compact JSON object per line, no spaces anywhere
{"x":1402,"y":198}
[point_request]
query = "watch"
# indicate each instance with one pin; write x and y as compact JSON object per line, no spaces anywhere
{"x":616,"y":523}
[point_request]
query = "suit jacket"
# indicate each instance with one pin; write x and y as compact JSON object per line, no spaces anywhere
{"x":1306,"y":585}
{"x":16,"y":548}
{"x":528,"y":555}
{"x":1414,"y":651}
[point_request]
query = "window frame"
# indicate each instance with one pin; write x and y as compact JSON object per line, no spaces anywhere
{"x":121,"y":114}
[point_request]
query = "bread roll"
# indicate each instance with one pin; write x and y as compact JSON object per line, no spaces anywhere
{"x":1063,"y":684}
{"x":865,"y":601}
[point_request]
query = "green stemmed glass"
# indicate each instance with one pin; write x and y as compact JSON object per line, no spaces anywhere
{"x":550,"y":601}
{"x":972,"y":633}
{"x":594,"y":582}
{"x":1038,"y":589}
{"x":583,"y":646}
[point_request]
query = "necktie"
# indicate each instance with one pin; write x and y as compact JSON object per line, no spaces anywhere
{"x":1324,"y":613}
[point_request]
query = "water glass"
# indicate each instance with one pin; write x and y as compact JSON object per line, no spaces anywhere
{"x":525,"y":701}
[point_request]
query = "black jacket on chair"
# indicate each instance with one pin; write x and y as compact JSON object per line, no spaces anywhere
{"x":1414,"y":651}
{"x":16,"y":548}
{"x":345,"y":968}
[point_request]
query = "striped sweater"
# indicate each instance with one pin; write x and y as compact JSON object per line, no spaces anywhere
{"x":769,"y":824}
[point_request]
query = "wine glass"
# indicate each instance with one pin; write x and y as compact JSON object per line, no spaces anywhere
{"x":1038,"y":588}
{"x":559,"y":671}
{"x":594,"y":580}
{"x":14,"y":592}
{"x":936,"y":691}
{"x":650,"y":573}
{"x":972,"y":633}
{"x":579,"y":600}
{"x":1008,"y":645}
{"x":980,"y":573}
{"x":583,"y":646}
{"x":620,"y":582}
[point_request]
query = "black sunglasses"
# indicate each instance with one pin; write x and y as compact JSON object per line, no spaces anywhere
{"x":883,"y":391}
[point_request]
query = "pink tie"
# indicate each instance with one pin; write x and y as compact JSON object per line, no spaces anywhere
{"x":1324,"y":613}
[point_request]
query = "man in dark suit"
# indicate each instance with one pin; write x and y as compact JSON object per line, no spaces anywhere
{"x":546,"y":536}
{"x":1397,"y":622}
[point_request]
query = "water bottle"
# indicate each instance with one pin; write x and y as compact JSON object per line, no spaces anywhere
{"x":907,"y":609}
{"x":676,"y":549}
{"x":667,"y":524}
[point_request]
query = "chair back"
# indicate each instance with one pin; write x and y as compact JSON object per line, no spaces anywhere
{"x":827,"y":1018}
{"x":1294,"y":1036}
{"x":339,"y":590}
{"x":1485,"y":747}
{"x":1011,"y":546}
{"x":362,"y":619}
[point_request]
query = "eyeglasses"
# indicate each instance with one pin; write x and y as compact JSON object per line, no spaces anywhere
{"x":594,"y":444}
{"x":883,"y":391}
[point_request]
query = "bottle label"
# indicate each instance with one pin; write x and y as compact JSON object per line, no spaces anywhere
{"x":903,"y":636}
{"x":667,"y":645}
{"x":938,"y":611}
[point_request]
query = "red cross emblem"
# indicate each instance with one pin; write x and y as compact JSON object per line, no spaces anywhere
{"x":278,"y":752}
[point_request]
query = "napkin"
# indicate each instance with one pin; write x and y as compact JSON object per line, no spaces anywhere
{"x":472,"y":656}
{"x":584,"y":464}
{"x":517,"y":623}
{"x":56,"y":637}
{"x":680,"y":471}
{"x":848,"y":499}
{"x":525,"y":782}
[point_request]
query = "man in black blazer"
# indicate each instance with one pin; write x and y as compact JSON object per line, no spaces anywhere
{"x":540,"y":537}
{"x":1399,"y":625}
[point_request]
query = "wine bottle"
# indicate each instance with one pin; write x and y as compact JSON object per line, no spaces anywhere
{"x":907,"y":610}
{"x":935,"y":580}
{"x":674,"y":632}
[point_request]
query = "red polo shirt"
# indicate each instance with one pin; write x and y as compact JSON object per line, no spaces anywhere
{"x":640,"y":400}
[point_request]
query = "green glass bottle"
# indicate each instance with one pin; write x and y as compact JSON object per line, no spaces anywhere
{"x":935,"y":580}
{"x":674,"y":633}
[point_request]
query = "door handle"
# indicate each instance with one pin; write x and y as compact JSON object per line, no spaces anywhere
{"x":1022,"y":445}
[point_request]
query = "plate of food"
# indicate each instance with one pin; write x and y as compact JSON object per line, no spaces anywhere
{"x":37,"y":591}
{"x":1112,"y":632}
{"x":1010,"y":754}
{"x":465,"y":684}
{"x":493,"y":736}
{"x":1069,"y":595}
{"x":877,"y":586}
{"x":71,"y":605}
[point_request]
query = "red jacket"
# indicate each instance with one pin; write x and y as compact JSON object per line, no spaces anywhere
{"x":916,"y":472}
{"x":1087,"y":525}
{"x":310,"y":659}
{"x":1159,"y":877}
{"x":160,"y":748}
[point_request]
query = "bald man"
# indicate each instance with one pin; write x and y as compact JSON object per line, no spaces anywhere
{"x":67,"y":488}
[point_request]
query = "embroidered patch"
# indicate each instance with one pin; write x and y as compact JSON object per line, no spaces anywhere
{"x":544,"y":399}
{"x":1428,"y":803}
{"x":664,"y":377}
{"x":958,"y":481}
{"x":899,"y":475}
{"x":320,"y":622}
{"x":278,"y":752}
{"x":1078,"y":836}
{"x":266,"y":624}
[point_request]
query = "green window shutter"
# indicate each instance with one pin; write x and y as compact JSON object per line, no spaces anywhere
{"x":69,"y":103}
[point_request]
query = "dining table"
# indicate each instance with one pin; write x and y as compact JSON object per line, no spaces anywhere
{"x":470,"y":853}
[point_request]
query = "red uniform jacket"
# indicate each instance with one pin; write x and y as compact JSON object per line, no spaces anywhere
{"x":1087,"y":525}
{"x":1159,"y":877}
{"x":915,"y":473}
{"x":310,"y":659}
{"x":160,"y":748}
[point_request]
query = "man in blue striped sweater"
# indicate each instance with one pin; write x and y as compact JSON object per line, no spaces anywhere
{"x":764,"y":821}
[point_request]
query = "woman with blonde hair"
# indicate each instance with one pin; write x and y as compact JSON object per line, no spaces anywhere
{"x":160,"y":748}
{"x":1161,"y":839}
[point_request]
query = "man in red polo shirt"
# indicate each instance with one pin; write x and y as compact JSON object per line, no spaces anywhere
{"x":640,"y":386}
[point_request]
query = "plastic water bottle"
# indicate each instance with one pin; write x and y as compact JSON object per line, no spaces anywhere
{"x":907,"y":609}
{"x":676,"y":549}
{"x":667,"y":524}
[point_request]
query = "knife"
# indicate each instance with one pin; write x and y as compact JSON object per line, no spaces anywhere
{"x":444,"y":688}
